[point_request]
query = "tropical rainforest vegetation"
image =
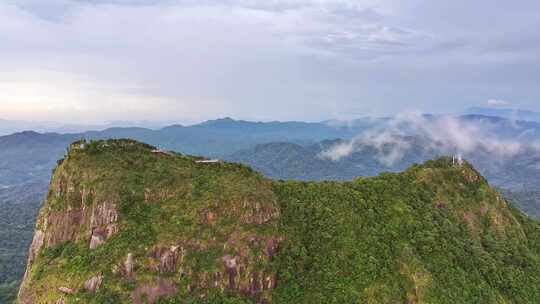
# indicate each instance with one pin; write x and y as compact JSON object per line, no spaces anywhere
{"x":436,"y":233}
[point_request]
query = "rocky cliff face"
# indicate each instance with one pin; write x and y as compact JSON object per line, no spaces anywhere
{"x":124,"y":223}
{"x":99,"y":215}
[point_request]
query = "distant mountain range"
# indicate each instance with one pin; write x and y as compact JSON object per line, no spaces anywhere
{"x":29,"y":156}
{"x":517,"y":174}
{"x":13,"y":126}
{"x":513,"y":114}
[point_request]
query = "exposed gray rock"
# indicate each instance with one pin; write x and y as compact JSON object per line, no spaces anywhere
{"x":152,"y":291}
{"x":37,"y":243}
{"x":96,"y":240}
{"x":66,"y":290}
{"x":272,"y":246}
{"x":62,"y":226}
{"x":230,"y":268}
{"x":168,"y":260}
{"x":35,"y":247}
{"x":104,"y":214}
{"x":103,"y":223}
{"x":128,"y":267}
{"x":93,"y":284}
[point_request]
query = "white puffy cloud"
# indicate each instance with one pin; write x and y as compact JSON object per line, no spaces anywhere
{"x":497,"y":102}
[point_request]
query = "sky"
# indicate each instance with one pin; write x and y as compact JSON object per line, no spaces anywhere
{"x":92,"y":61}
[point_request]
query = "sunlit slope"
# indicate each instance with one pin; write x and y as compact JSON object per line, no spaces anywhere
{"x":436,"y":233}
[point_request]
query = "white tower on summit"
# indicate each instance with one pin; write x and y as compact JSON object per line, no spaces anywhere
{"x":457,"y":160}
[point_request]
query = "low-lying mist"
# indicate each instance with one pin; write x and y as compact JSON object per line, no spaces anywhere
{"x":468,"y":136}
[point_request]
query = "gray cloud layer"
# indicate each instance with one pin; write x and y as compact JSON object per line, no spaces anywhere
{"x":296,"y":59}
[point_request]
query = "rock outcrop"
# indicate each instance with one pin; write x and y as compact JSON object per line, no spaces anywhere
{"x":84,"y":212}
{"x":66,"y":290}
{"x":168,"y":258}
{"x":93,"y":284}
{"x":127,"y":269}
{"x":152,"y":291}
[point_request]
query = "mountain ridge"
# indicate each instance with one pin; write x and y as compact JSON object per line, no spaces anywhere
{"x":27,"y":159}
{"x":509,"y":113}
{"x":124,"y":223}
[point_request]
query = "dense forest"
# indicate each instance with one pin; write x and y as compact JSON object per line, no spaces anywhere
{"x":16,"y":229}
{"x":166,"y":227}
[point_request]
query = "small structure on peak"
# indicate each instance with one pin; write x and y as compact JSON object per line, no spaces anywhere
{"x":457,"y":160}
{"x":162,"y":152}
{"x":79,"y":145}
{"x":208,"y":161}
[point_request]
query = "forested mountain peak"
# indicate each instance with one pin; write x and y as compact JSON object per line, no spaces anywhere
{"x":126,"y":222}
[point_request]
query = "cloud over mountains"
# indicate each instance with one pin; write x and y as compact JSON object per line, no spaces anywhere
{"x":446,"y":134}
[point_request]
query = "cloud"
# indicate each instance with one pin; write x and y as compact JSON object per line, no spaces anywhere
{"x":308,"y":59}
{"x":338,"y":151}
{"x":41,"y":94}
{"x":497,"y":102}
{"x":445,"y":134}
